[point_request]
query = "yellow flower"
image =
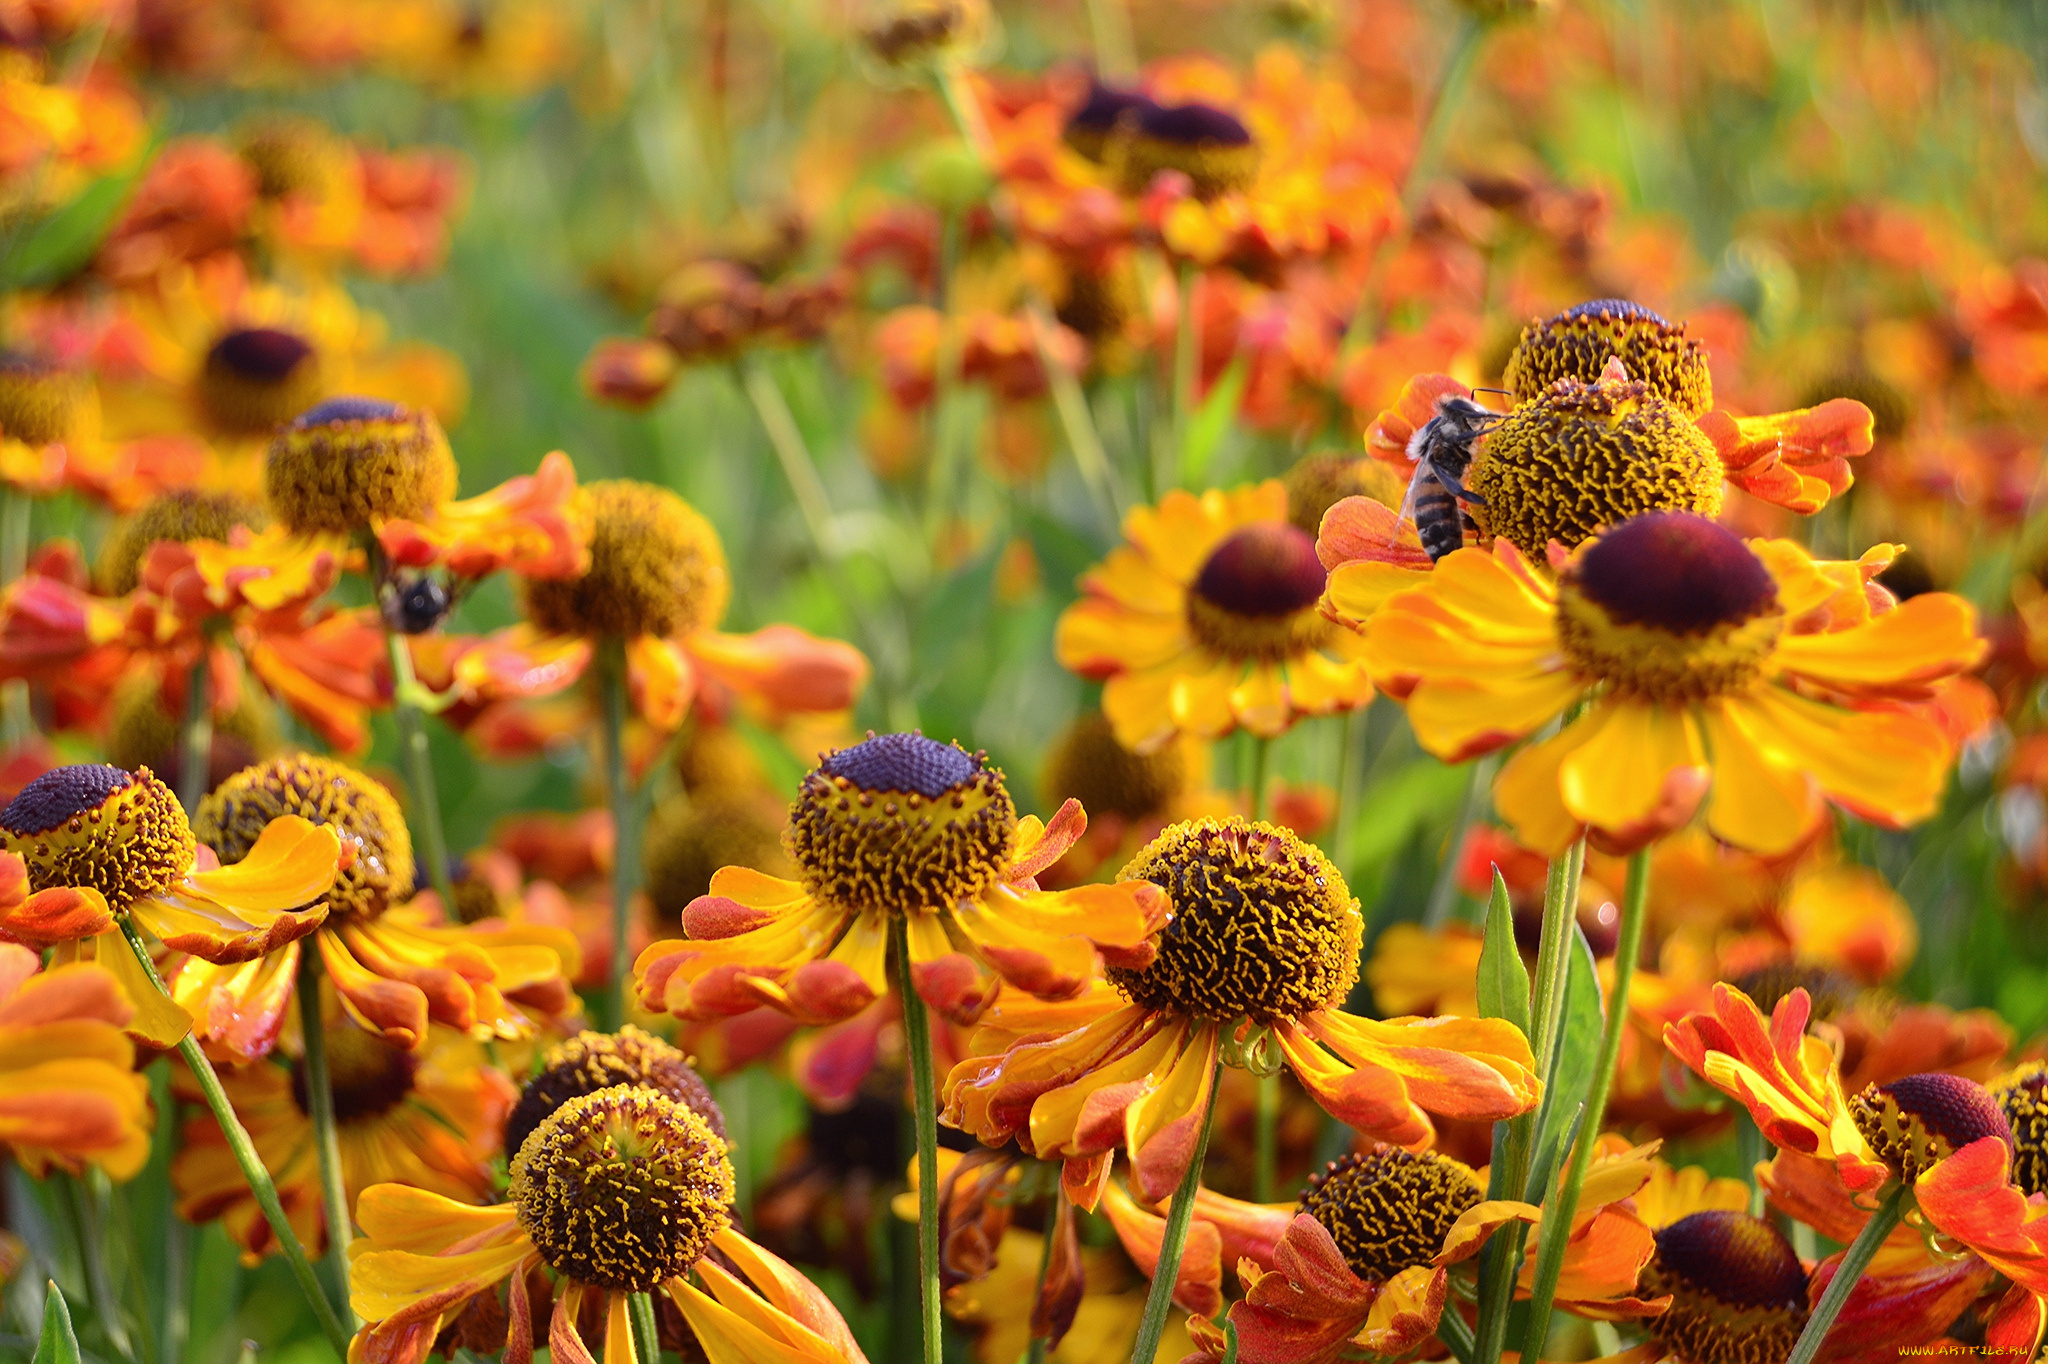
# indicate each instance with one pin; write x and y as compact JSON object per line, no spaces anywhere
{"x":1254,"y":968}
{"x":393,"y":967}
{"x":899,"y":826}
{"x":210,"y":355}
{"x":1684,"y":661}
{"x":69,"y":1091}
{"x":119,"y":845}
{"x":428,"y":1119}
{"x":619,"y":1191}
{"x":1205,"y":620}
{"x":655,"y":579}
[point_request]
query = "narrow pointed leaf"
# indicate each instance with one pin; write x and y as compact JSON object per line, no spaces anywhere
{"x":1503,"y":980}
{"x":59,"y":1343}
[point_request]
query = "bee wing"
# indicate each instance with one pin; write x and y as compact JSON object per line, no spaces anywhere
{"x":1423,"y":470}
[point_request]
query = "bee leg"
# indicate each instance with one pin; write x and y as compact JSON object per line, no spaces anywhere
{"x":1454,"y":487}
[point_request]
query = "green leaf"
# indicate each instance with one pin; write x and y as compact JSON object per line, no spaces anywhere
{"x":59,"y":1344}
{"x":1578,"y":1048}
{"x":1503,"y":980}
{"x":59,"y":246}
{"x":1205,"y":432}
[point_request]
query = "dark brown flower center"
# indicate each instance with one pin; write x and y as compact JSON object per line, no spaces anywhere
{"x":1675,"y":572}
{"x":1264,"y":570}
{"x":369,"y":1077}
{"x":1738,"y":1291}
{"x":1578,"y":342}
{"x":1914,"y":1122}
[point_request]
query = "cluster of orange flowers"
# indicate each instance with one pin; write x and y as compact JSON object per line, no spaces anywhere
{"x":1174,"y":1089}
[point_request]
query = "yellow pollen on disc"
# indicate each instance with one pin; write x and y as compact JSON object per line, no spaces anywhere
{"x":122,"y":834}
{"x":901,"y":824}
{"x":1578,"y":342}
{"x":656,"y":568}
{"x":357,"y":807}
{"x":1580,"y":457}
{"x":622,"y":1189}
{"x":1389,"y":1209}
{"x":1263,"y":926}
{"x":349,"y":463}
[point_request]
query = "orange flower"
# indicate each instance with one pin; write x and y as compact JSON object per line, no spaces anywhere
{"x":1796,"y":460}
{"x":1343,"y":1276}
{"x":1786,"y":1078}
{"x":431,"y":1120}
{"x":101,"y":844}
{"x":210,"y":600}
{"x":815,"y":947}
{"x":1253,"y":968}
{"x":656,"y":581}
{"x":69,"y":1092}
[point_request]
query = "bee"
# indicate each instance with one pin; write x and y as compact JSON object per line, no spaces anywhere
{"x":415,"y":607}
{"x":1442,"y":451}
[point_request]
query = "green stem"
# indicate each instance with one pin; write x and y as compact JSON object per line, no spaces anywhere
{"x":1186,"y":371}
{"x":917,"y":1032}
{"x":1749,"y":1140}
{"x":611,"y":681}
{"x":1455,"y":1334}
{"x":174,"y":1323}
{"x":1558,"y":1212}
{"x":99,"y":1290}
{"x":1854,"y":1260}
{"x":251,"y":1164}
{"x":1350,"y":778}
{"x":1262,"y":749}
{"x":1070,"y":404}
{"x":1500,"y":1263}
{"x":195,"y":758}
{"x":1178,"y":1218}
{"x":1553,"y":953}
{"x":425,"y":815}
{"x":1035,"y":1352}
{"x":1443,"y":892}
{"x":1443,"y":103}
{"x":320,"y":1109}
{"x":1266,"y":1150}
{"x":791,"y":453}
{"x":646,"y":1336}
